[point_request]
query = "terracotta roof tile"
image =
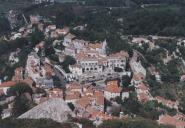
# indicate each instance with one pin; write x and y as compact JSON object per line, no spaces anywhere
{"x":8,"y":84}
{"x":95,"y":46}
{"x":169,"y":120}
{"x":112,"y":86}
{"x":120,"y":54}
{"x":83,"y":102}
{"x":143,"y":97}
{"x":72,"y":96}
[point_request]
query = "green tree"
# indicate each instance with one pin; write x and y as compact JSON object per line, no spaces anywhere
{"x":4,"y":25}
{"x":19,"y":89}
{"x":36,"y":37}
{"x":20,"y":106}
{"x":69,"y":60}
{"x":126,"y":81}
{"x":67,"y":14}
{"x":56,"y":81}
{"x":71,"y":106}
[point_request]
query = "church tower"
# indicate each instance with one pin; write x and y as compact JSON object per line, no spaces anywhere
{"x":104,"y":46}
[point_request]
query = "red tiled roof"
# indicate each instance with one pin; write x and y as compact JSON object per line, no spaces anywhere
{"x":169,"y":120}
{"x":165,"y":101}
{"x":83,"y":102}
{"x":138,"y":76}
{"x":8,"y":84}
{"x":112,"y":86}
{"x":96,"y":45}
{"x":120,"y":54}
{"x":143,"y":97}
{"x":101,"y":115}
{"x":72,"y":96}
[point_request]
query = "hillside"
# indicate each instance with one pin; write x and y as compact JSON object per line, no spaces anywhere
{"x":6,"y":5}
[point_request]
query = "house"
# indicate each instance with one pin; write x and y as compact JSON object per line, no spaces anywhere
{"x":13,"y":58}
{"x":112,"y":90}
{"x":35,"y":19}
{"x":72,"y":97}
{"x":40,"y":74}
{"x":81,"y":106}
{"x":143,"y":93}
{"x":6,"y":113}
{"x":99,"y":100}
{"x":50,"y":28}
{"x":99,"y":117}
{"x":70,"y":50}
{"x":139,"y":72}
{"x":178,"y":120}
{"x":80,"y":44}
{"x":41,"y":27}
{"x":168,"y":103}
{"x":125,"y":94}
{"x":89,"y":91}
{"x":140,"y":40}
{"x":56,"y":93}
{"x":54,"y":34}
{"x":88,"y":103}
{"x":18,"y":74}
{"x":118,"y":60}
{"x":76,"y":70}
{"x":63,"y":31}
{"x":137,"y":67}
{"x":99,"y":47}
{"x":74,"y":87}
{"x":68,"y":39}
{"x":137,"y":79}
{"x":16,"y":36}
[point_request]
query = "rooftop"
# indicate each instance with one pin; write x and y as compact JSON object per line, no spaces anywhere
{"x":113,"y":87}
{"x":8,"y":84}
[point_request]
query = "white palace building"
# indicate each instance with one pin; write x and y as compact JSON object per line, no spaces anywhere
{"x":92,"y":60}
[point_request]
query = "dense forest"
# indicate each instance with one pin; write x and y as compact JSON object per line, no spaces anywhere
{"x":130,"y":3}
{"x":4,"y":25}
